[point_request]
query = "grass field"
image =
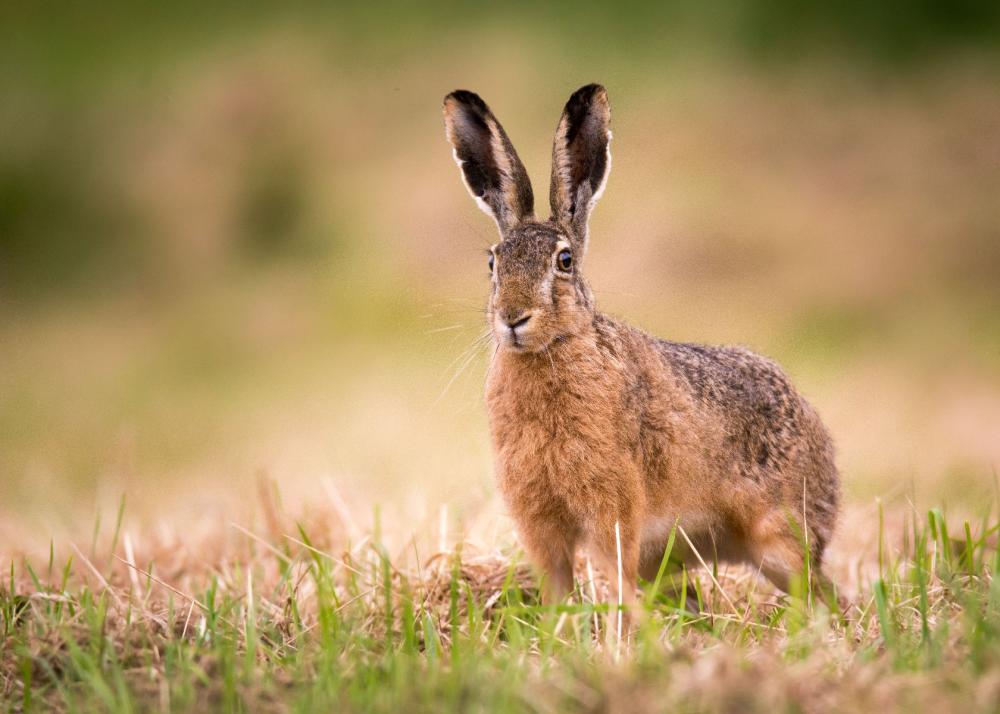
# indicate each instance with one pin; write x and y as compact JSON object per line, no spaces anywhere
{"x":244,"y":460}
{"x":317,"y":614}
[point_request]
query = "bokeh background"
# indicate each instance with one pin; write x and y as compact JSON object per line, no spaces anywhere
{"x":234,"y":246}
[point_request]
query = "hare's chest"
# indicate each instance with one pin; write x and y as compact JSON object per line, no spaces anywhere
{"x":553,"y":446}
{"x":546,"y":417}
{"x":531,"y":428}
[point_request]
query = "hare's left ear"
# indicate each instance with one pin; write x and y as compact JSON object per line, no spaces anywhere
{"x":581,"y":159}
{"x":490,"y":167}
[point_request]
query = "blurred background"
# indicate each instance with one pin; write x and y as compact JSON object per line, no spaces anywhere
{"x":234,"y":246}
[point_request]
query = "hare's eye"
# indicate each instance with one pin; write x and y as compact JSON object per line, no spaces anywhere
{"x":564,"y":260}
{"x":489,"y":262}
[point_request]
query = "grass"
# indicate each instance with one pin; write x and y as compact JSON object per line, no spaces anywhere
{"x":301,"y":616}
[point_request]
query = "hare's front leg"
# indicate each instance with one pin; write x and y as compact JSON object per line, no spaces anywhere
{"x":551,"y":545}
{"x":616,"y":545}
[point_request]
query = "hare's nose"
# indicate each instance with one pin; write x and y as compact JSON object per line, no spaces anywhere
{"x":515,"y":319}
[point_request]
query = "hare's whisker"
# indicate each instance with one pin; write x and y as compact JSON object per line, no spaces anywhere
{"x":447,"y":328}
{"x":466,"y":357}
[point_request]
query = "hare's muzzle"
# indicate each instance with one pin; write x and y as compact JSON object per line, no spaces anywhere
{"x":511,"y":327}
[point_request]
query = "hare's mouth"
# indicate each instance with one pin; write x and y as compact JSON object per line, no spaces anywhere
{"x":517,"y":331}
{"x":511,"y":340}
{"x":521,"y":342}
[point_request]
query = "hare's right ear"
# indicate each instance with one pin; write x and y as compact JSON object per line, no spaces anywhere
{"x":490,"y":167}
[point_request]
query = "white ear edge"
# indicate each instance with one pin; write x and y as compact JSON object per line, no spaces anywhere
{"x":607,"y":172}
{"x":596,"y":195}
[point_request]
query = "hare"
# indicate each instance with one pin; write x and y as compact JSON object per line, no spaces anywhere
{"x":604,"y":436}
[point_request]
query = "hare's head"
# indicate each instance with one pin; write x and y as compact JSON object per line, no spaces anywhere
{"x":538,"y":293}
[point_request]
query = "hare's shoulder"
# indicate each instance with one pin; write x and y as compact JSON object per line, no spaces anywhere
{"x":731,"y":378}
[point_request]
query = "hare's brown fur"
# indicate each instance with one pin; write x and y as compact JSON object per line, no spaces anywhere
{"x":595,"y":422}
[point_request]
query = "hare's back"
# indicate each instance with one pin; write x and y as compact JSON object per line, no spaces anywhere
{"x":768,"y":423}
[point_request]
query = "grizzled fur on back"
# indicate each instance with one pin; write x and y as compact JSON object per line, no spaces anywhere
{"x":597,"y":425}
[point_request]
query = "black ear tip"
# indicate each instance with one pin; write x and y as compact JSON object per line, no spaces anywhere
{"x":587,"y":93}
{"x":468,"y":99}
{"x":588,"y":98}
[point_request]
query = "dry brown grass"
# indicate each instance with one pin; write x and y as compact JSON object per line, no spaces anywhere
{"x":274,"y":588}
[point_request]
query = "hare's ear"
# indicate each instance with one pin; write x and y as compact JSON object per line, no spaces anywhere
{"x":581,"y":159}
{"x":490,"y":167}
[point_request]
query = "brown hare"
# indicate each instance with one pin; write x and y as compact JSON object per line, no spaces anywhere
{"x":595,"y":422}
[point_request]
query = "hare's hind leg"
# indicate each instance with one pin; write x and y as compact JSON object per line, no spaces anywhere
{"x":779,"y":552}
{"x":775,"y":549}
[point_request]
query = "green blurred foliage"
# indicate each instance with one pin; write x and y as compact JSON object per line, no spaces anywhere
{"x":63,"y":224}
